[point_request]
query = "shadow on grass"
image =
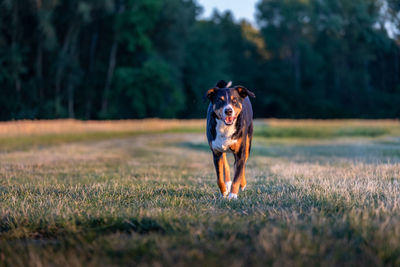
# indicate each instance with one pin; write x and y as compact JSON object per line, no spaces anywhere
{"x":366,"y":152}
{"x":142,"y":226}
{"x":99,"y":225}
{"x":204,"y":147}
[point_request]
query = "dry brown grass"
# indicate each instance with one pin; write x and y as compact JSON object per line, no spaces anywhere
{"x":45,"y":127}
{"x":63,"y":126}
{"x":331,"y":123}
{"x":152,"y":200}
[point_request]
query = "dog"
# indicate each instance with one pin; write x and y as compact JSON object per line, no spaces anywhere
{"x":230,"y":129}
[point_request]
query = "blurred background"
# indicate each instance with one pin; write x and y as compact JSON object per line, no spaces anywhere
{"x":119,"y":59}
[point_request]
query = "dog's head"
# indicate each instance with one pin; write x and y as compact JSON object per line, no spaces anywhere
{"x":227,"y":102}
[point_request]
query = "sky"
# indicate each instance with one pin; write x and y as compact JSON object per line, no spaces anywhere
{"x":240,"y":8}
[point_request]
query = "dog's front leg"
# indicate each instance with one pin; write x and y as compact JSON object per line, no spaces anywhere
{"x":219,"y":168}
{"x":228,"y":182}
{"x":239,"y":173}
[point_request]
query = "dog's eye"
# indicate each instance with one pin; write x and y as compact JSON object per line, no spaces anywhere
{"x":221,"y":99}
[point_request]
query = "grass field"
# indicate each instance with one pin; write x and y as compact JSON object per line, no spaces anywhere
{"x":323,"y":193}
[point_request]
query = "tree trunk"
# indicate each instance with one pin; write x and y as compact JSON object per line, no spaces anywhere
{"x":39,"y":57}
{"x":110,"y":74}
{"x":60,"y":70}
{"x":39,"y":70}
{"x":17,"y":81}
{"x":93,"y":46}
{"x":38,"y":4}
{"x":297,"y":69}
{"x":71,"y":89}
{"x":396,"y":65}
{"x":111,"y":65}
{"x":74,"y":56}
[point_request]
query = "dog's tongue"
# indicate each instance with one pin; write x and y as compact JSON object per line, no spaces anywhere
{"x":229,"y":120}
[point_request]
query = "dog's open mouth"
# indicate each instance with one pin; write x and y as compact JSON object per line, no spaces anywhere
{"x":229,"y":120}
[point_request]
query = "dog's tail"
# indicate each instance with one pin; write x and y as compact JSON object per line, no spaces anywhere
{"x":223,"y":84}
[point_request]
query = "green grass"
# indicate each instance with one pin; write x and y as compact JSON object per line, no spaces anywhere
{"x":321,"y":131}
{"x":103,"y":199}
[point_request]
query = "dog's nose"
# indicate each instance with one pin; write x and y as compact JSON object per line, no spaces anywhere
{"x":228,"y":111}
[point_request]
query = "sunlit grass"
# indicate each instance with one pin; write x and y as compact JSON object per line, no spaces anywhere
{"x":150,"y":198}
{"x":33,"y":134}
{"x":326,"y":128}
{"x":29,"y":134}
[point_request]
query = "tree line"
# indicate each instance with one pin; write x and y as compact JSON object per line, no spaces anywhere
{"x":112,"y":59}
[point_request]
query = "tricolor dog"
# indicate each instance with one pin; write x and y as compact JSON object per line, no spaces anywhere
{"x":230,"y":129}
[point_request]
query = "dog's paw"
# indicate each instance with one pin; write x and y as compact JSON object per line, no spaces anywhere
{"x":225,"y":194}
{"x":243,"y":188}
{"x":232,"y":196}
{"x":228,"y":186}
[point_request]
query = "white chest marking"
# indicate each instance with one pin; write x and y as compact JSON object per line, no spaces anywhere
{"x":223,"y":140}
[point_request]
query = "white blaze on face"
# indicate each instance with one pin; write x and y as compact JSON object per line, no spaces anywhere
{"x":224,"y":116}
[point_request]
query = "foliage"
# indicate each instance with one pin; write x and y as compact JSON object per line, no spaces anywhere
{"x":153,"y":89}
{"x":113,"y":59}
{"x":333,"y":55}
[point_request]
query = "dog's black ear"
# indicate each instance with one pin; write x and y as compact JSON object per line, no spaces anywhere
{"x":210,"y":93}
{"x":243,"y":91}
{"x":221,"y":84}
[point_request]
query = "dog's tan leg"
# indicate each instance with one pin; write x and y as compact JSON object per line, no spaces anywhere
{"x":241,"y":156}
{"x":226,"y":168}
{"x":248,"y":144}
{"x":243,"y":181}
{"x":239,"y":174}
{"x":219,"y":168}
{"x":227,"y":173}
